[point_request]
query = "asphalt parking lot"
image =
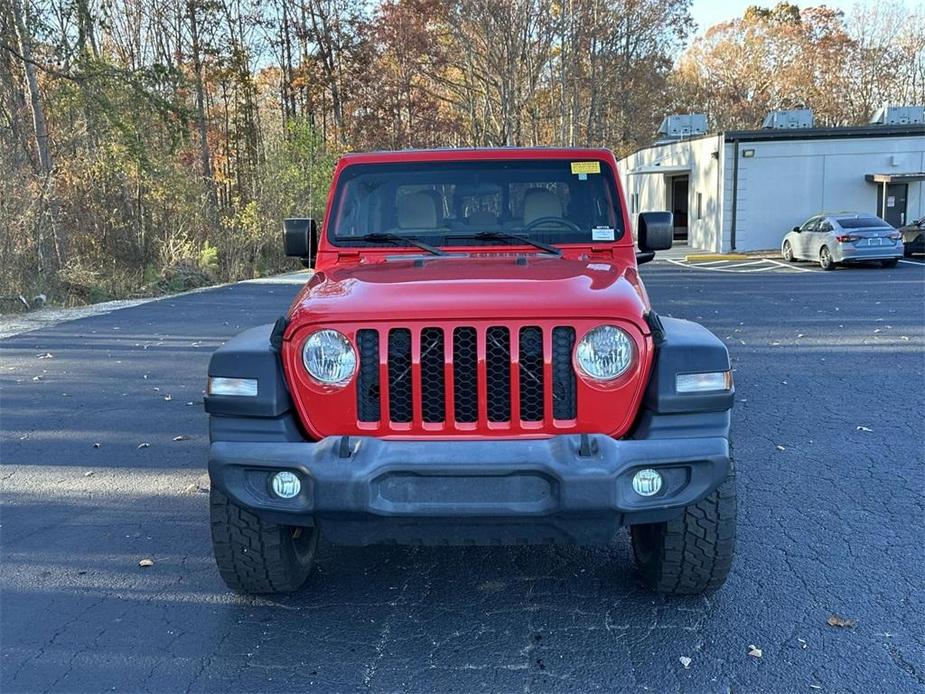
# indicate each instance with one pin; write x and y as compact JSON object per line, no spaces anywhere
{"x":829,"y":446}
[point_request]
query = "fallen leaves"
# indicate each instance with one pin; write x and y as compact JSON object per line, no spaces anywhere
{"x":685,"y":661}
{"x":144,"y":444}
{"x":860,"y":428}
{"x":780,"y":448}
{"x":97,"y":445}
{"x":46,"y":355}
{"x":181,"y":437}
{"x":145,"y":563}
{"x":754,"y":651}
{"x":835,"y":620}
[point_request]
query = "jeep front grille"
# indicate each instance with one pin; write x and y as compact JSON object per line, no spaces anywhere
{"x":455,"y":379}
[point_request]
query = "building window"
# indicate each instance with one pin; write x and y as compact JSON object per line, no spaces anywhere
{"x":699,"y":205}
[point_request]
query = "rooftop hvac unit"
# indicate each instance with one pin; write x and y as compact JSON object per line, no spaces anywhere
{"x":785,"y":120}
{"x":683,"y":125}
{"x":899,"y":115}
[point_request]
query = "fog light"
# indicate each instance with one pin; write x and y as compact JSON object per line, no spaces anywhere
{"x":286,"y":485}
{"x":647,"y":482}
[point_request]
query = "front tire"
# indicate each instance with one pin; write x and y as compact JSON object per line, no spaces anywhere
{"x":691,"y":554}
{"x":825,"y":259}
{"x":892,"y":262}
{"x":257,"y":557}
{"x":788,"y":252}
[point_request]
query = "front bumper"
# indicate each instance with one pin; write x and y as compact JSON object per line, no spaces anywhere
{"x":562,"y":489}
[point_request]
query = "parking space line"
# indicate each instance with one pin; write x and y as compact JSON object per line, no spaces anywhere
{"x":753,"y":262}
{"x":912,"y":262}
{"x":789,"y":266}
{"x":738,"y":268}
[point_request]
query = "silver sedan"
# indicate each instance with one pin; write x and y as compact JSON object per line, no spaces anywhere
{"x":845,"y":237}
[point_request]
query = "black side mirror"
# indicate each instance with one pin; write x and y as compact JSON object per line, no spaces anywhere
{"x":300,"y":239}
{"x":796,"y":229}
{"x":654,"y":231}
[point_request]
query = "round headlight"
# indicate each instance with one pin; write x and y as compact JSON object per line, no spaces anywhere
{"x":329,"y":357}
{"x":604,"y":353}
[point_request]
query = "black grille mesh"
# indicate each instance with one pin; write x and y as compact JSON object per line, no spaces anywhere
{"x":531,"y":374}
{"x":433,"y":386}
{"x":368,"y":376}
{"x":400,"y":375}
{"x":564,"y":397}
{"x":465,"y":375}
{"x":498,"y":366}
{"x":434,"y":344}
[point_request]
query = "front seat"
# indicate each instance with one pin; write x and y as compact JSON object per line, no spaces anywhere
{"x":539,"y":203}
{"x":417,"y":211}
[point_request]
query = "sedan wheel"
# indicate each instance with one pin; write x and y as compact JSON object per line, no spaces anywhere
{"x":892,"y":262}
{"x":788,"y":252}
{"x":825,"y":259}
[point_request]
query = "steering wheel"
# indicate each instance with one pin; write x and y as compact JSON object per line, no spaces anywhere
{"x":539,"y":221}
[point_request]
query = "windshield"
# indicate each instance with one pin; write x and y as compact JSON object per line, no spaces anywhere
{"x":476,"y":203}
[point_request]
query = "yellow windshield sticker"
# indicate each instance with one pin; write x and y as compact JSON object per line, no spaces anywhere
{"x":586,"y":167}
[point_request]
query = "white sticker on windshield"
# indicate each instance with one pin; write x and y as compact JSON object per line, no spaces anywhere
{"x":602,"y":234}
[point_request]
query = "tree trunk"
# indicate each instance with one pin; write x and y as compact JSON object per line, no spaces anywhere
{"x":35,"y":97}
{"x":205,"y":156}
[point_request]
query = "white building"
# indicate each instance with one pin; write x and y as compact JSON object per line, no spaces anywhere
{"x":743,"y":190}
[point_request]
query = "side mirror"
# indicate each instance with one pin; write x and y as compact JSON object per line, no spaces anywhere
{"x":300,"y":239}
{"x":796,"y":229}
{"x":655,"y":231}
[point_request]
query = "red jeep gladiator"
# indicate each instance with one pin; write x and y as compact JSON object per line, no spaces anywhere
{"x":473,"y":361}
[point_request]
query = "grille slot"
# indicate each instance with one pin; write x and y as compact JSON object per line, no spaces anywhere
{"x":531,"y":374}
{"x":368,"y":377}
{"x":465,"y":375}
{"x":564,"y":396}
{"x":498,"y":373}
{"x":433,"y":382}
{"x":400,"y":375}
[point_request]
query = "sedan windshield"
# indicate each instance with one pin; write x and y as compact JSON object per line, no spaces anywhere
{"x":549,"y":201}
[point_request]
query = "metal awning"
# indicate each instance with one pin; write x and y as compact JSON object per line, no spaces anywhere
{"x":895,"y":177}
{"x":682,"y":168}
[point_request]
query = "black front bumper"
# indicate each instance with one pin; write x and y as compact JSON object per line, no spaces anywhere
{"x":561,"y":489}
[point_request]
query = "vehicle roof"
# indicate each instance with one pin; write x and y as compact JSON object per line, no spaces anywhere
{"x":476,"y":153}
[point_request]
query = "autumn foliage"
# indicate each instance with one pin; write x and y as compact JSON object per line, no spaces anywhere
{"x":152,"y":145}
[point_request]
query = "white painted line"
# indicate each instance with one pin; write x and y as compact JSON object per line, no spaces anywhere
{"x":753,"y":262}
{"x":709,"y":262}
{"x":762,"y":269}
{"x":719,"y":269}
{"x":912,"y":262}
{"x":789,"y":266}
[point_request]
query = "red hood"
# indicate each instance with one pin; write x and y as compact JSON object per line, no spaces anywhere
{"x":473,"y":287}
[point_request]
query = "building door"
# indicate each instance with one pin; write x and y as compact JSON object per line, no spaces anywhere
{"x":678,"y":204}
{"x":893,"y":207}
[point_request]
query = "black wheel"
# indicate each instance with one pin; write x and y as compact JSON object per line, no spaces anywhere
{"x":825,"y":259}
{"x":258,"y":557}
{"x":691,"y":554}
{"x":788,"y":252}
{"x":892,"y":262}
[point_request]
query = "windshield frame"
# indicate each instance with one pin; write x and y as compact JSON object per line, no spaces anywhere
{"x":456,"y":238}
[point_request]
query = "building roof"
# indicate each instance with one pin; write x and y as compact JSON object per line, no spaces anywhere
{"x":836,"y":133}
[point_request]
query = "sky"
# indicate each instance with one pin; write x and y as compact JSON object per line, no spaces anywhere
{"x":709,"y":12}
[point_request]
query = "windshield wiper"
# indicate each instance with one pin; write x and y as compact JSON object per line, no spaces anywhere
{"x":507,"y":236}
{"x":389,"y":237}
